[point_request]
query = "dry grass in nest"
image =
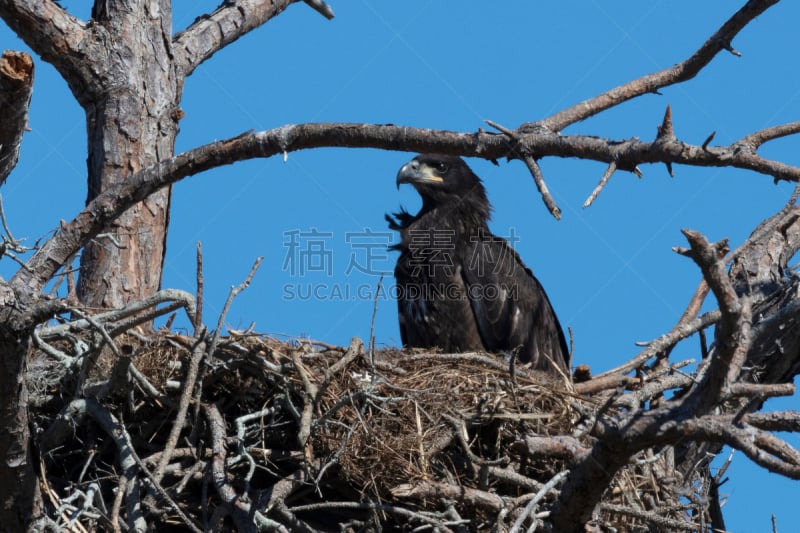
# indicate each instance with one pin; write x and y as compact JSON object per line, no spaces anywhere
{"x":407,"y":429}
{"x":410,"y":429}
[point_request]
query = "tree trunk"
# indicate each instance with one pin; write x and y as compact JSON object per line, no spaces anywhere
{"x":131,"y":123}
{"x":19,"y":488}
{"x":20,"y":499}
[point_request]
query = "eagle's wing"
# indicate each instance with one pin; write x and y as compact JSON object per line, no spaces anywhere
{"x":432,"y":308}
{"x":510,"y":306}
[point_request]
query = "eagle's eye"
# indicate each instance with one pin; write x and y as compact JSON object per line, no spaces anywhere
{"x":441,"y":167}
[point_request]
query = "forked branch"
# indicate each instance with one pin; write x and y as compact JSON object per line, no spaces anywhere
{"x":210,"y":33}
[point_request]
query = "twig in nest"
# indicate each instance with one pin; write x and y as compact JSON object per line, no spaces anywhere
{"x":435,"y":489}
{"x":562,"y":447}
{"x":98,"y":327}
{"x":238,"y":508}
{"x":368,"y":506}
{"x":353,"y":351}
{"x":372,"y":328}
{"x":531,"y":507}
{"x":676,"y":334}
{"x":89,"y":498}
{"x":198,"y":314}
{"x":234,"y":292}
{"x":651,"y":517}
{"x":508,"y":475}
{"x":183,"y":405}
{"x":240,"y":433}
{"x":117,"y":505}
{"x":52,"y":351}
{"x":460,"y":432}
{"x":183,"y":298}
{"x":311,"y":392}
{"x":478,"y":357}
{"x":149,"y":389}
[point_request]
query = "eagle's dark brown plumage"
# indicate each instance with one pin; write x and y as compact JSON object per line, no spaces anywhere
{"x":461,"y":288}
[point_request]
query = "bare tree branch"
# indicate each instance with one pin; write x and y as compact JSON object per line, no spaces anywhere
{"x":733,"y":339}
{"x":434,"y":489}
{"x":622,"y":436}
{"x":62,"y":428}
{"x":538,"y":178}
{"x":16,"y":86}
{"x":198,"y":351}
{"x":761,"y":447}
{"x":113,"y":201}
{"x":210,"y":33}
{"x":775,"y":421}
{"x":540,"y":494}
{"x":755,"y":140}
{"x":681,"y":331}
{"x":554,"y":447}
{"x":686,"y":70}
{"x":236,"y":504}
{"x":601,"y":184}
{"x":181,"y":298}
{"x":46,"y":27}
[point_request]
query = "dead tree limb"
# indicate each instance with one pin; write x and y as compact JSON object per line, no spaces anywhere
{"x":16,"y":87}
{"x":112,"y":202}
{"x":210,"y":33}
{"x":685,"y":70}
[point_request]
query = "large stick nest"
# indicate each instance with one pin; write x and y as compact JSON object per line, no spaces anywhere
{"x":318,"y":437}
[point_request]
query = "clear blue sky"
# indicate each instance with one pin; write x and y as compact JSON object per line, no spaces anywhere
{"x":609,"y":269}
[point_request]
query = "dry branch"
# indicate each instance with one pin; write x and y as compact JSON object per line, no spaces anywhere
{"x":685,"y":70}
{"x":538,"y":177}
{"x":211,"y":32}
{"x":601,"y":185}
{"x":112,"y":202}
{"x":430,"y":489}
{"x":756,"y":139}
{"x":734,"y":325}
{"x":16,"y":86}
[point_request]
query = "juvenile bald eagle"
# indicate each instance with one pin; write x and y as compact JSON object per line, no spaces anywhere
{"x":459,"y":287}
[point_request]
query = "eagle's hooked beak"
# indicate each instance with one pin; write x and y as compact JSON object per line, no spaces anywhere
{"x":413,"y":172}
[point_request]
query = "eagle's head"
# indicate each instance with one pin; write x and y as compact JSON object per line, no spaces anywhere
{"x":442,"y":179}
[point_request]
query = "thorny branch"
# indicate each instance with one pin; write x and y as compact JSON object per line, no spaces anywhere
{"x":108,"y":205}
